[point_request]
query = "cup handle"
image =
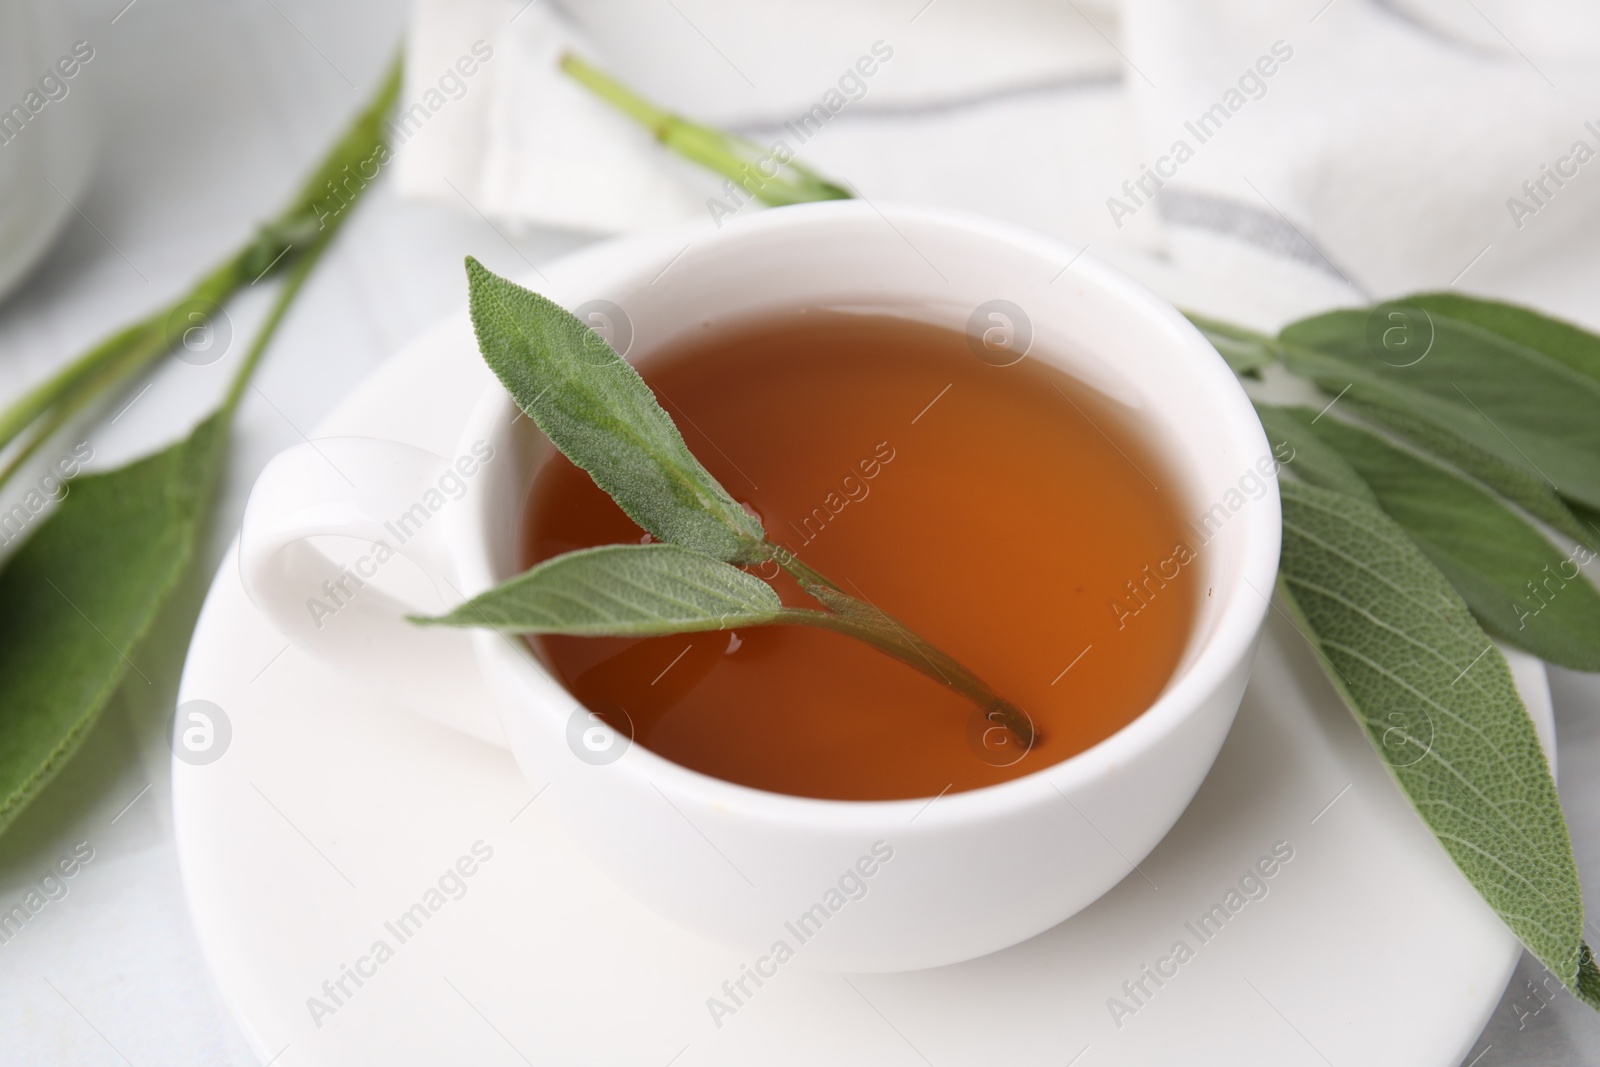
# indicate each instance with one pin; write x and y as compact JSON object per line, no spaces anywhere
{"x":378,"y":492}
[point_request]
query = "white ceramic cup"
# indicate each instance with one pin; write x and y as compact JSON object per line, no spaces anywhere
{"x":842,"y":885}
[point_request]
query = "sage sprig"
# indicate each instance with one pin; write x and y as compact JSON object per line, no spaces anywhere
{"x":600,"y":414}
{"x":81,"y":594}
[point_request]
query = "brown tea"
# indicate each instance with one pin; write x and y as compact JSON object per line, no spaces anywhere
{"x":1013,"y":516}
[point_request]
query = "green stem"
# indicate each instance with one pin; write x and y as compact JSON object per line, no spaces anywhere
{"x":315,"y":212}
{"x":25,"y":409}
{"x":618,"y":95}
{"x":280,"y":306}
{"x":105,"y":377}
{"x":733,"y":157}
{"x":363,"y":142}
{"x":865,"y":622}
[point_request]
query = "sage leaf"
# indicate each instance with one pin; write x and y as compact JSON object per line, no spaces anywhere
{"x":80,"y":594}
{"x":1519,"y":585}
{"x":1526,"y":407}
{"x":87,"y":585}
{"x":1437,"y":702}
{"x":1572,"y":345}
{"x":632,"y":590}
{"x":1432,"y":427}
{"x":597,"y":410}
{"x":1589,"y":520}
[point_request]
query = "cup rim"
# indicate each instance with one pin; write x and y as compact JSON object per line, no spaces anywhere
{"x":1231,"y":638}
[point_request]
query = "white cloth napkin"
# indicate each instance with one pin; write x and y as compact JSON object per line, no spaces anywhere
{"x":1387,"y":149}
{"x":963,"y":112}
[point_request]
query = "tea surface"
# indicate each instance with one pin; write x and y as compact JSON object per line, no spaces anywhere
{"x":1013,"y":516}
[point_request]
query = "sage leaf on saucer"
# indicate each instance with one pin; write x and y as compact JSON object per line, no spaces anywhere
{"x":1572,"y":345}
{"x":627,"y":590}
{"x":1529,"y":409}
{"x":597,"y":410}
{"x":1437,"y":702}
{"x":1434,"y":427}
{"x":1519,"y":585}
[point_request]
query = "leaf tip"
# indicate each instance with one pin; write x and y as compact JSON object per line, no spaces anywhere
{"x":1586,"y":984}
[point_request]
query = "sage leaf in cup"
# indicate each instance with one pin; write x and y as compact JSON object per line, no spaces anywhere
{"x":600,"y":414}
{"x":596,"y":409}
{"x":624,"y":590}
{"x":1521,"y":587}
{"x":1437,"y":702}
{"x":1522,"y":405}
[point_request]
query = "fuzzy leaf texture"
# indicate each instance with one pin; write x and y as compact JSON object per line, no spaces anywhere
{"x":1438,"y":704}
{"x":1433,"y":428}
{"x":83,"y":591}
{"x":597,"y":410}
{"x":1572,"y":345}
{"x":1520,"y":586}
{"x":1522,"y":407}
{"x":625,"y":590}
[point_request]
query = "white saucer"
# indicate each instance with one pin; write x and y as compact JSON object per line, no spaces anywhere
{"x":331,"y":814}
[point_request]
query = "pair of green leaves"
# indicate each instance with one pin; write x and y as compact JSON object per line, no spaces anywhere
{"x":1507,"y":402}
{"x":1503,"y":393}
{"x":596,"y":409}
{"x":1396,"y":563}
{"x":1520,"y":585}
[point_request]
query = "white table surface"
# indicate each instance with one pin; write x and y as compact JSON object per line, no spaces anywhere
{"x":213,"y":111}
